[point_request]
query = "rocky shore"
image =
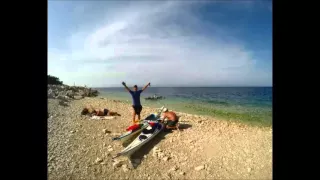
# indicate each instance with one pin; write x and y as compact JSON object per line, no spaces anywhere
{"x":205,"y":148}
{"x":66,"y":93}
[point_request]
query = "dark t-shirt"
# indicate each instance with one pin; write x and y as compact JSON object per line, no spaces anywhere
{"x":136,"y":97}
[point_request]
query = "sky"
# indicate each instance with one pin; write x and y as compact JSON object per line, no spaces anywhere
{"x":168,"y":43}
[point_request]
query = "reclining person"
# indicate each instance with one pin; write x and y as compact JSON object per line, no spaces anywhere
{"x":98,"y":112}
{"x":172,"y":119}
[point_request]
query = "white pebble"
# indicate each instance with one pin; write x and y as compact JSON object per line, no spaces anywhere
{"x":199,"y":168}
{"x":125,"y":168}
{"x":104,"y":131}
{"x":174,"y":168}
{"x":117,"y":164}
{"x":98,"y":160}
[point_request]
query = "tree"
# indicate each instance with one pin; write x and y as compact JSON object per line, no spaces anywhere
{"x":54,"y":80}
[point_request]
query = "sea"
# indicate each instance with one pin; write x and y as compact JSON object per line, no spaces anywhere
{"x":251,"y":105}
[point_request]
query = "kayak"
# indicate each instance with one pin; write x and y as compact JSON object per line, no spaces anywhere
{"x":137,"y":128}
{"x":145,"y":136}
{"x":128,"y":139}
{"x":126,"y":136}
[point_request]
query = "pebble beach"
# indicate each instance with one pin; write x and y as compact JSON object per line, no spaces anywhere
{"x":205,"y":148}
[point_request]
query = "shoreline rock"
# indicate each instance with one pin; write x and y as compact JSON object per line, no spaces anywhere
{"x":65,"y":92}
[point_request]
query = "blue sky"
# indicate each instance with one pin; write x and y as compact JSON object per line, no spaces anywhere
{"x":167,"y":43}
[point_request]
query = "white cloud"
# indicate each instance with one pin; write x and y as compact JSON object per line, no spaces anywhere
{"x":160,"y":43}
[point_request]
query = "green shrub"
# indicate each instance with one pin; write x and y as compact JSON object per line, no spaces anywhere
{"x":54,"y":80}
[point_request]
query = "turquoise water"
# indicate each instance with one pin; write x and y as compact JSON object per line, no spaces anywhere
{"x":250,"y":105}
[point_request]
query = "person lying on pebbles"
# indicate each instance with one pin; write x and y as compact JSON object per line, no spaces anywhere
{"x":98,"y":112}
{"x":172,"y":119}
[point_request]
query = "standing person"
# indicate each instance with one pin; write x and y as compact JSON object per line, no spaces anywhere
{"x":136,"y":105}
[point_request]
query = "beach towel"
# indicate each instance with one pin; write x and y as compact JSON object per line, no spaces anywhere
{"x":102,"y":117}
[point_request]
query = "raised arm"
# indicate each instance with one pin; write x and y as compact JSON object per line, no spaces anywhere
{"x":145,"y":87}
{"x":125,"y":86}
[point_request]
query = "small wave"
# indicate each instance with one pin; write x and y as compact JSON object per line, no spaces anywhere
{"x":218,"y":102}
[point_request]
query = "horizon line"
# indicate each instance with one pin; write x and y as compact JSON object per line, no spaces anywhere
{"x":195,"y":87}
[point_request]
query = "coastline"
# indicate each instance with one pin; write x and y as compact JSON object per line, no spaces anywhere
{"x":255,"y":116}
{"x":207,"y":148}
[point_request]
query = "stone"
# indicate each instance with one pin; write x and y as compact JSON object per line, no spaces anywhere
{"x":117,"y":163}
{"x":199,"y":168}
{"x":160,"y":155}
{"x":98,"y":160}
{"x":110,"y":149}
{"x":51,"y":94}
{"x":105,"y":131}
{"x":74,"y":92}
{"x":155,"y":149}
{"x":165,"y":158}
{"x":174,"y":168}
{"x":77,"y":97}
{"x":154,"y":154}
{"x":125,"y":168}
{"x":249,"y":169}
{"x":182,"y":173}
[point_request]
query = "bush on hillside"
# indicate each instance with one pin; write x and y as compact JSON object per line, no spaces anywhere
{"x":54,"y":80}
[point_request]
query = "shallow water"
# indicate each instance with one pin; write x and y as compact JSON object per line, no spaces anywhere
{"x":250,"y":104}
